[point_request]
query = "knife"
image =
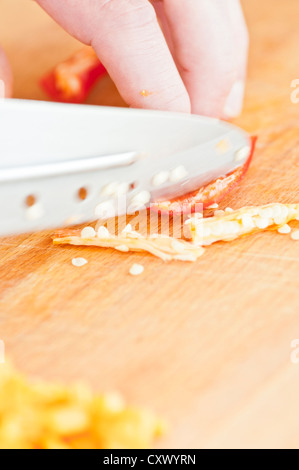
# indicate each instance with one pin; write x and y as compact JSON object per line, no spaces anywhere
{"x":62,"y":164}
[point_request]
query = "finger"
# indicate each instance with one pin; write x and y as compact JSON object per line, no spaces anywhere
{"x":5,"y":76}
{"x":159,"y":9}
{"x":211,"y":48}
{"x":129,"y":42}
{"x":240,"y":33}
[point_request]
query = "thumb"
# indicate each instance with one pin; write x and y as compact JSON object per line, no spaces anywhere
{"x":5,"y":76}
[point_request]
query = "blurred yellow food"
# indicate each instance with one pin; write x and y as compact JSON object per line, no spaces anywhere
{"x":41,"y":415}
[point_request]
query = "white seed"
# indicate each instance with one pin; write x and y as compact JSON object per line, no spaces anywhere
{"x":136,"y":269}
{"x":284,"y":229}
{"x":262,"y":222}
{"x":110,"y":189}
{"x":88,"y":232}
{"x":103,"y":232}
{"x":284,"y":211}
{"x":123,"y":248}
{"x":78,"y":262}
{"x":133,"y":208}
{"x":292,"y":213}
{"x":229,"y":209}
{"x":213,"y":206}
{"x":217,"y":228}
{"x":160,"y":178}
{"x":267,"y":212}
{"x":279,"y":220}
{"x":219,"y":213}
{"x":199,"y":221}
{"x":141,"y":198}
{"x":199,"y":234}
{"x":34,"y":212}
{"x":196,"y":215}
{"x":295,"y":235}
{"x":121,"y":189}
{"x":177,"y":174}
{"x":242,"y":153}
{"x":282,"y":214}
{"x":206,"y":232}
{"x":247,"y":222}
{"x":276,"y":210}
{"x":235,"y":227}
{"x":231,"y":228}
{"x":105,"y":210}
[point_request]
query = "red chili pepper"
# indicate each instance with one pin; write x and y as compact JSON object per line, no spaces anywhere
{"x":210,"y":194}
{"x":72,"y":80}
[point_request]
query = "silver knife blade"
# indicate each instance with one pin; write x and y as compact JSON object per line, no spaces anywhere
{"x":62,"y":164}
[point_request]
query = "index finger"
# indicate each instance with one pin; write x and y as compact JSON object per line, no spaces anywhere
{"x":211,"y":45}
{"x":129,"y":42}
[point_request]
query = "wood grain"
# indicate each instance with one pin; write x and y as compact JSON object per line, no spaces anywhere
{"x":207,"y":345}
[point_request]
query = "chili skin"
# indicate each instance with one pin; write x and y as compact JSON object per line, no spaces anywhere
{"x":86,"y":77}
{"x":210,"y":194}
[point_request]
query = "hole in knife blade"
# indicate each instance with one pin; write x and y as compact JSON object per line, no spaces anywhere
{"x":82,"y":194}
{"x":30,"y":200}
{"x":132,"y":186}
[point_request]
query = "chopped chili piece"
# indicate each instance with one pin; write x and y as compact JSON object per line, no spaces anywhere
{"x":72,"y":80}
{"x":164,"y":247}
{"x":241,"y":222}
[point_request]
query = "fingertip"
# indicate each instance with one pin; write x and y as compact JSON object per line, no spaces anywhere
{"x":5,"y":77}
{"x":234,"y":102}
{"x":211,"y":52}
{"x":225,"y":102}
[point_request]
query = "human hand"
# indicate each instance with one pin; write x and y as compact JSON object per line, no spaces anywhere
{"x":199,"y":64}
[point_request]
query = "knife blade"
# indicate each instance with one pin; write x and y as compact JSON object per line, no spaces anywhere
{"x":62,"y":164}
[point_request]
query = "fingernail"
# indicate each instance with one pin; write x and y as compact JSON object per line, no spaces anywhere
{"x":234,"y":102}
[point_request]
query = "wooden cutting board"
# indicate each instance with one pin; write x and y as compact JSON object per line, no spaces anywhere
{"x":207,"y":345}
